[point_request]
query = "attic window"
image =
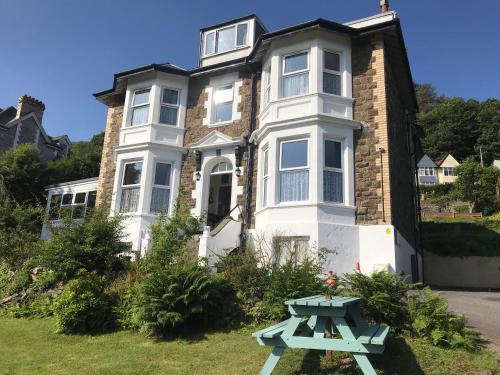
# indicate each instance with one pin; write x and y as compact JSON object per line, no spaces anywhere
{"x":226,"y":39}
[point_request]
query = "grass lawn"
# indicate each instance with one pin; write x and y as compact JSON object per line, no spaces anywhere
{"x":462,"y":236}
{"x":32,"y":347}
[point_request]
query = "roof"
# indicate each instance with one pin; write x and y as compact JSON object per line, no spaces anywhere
{"x":230,"y":22}
{"x":7,"y":115}
{"x":69,"y":183}
{"x":426,"y":162}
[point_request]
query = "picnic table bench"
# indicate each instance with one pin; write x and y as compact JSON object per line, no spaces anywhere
{"x":310,"y":316}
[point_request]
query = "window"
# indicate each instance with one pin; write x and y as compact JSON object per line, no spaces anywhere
{"x":91,"y":199}
{"x":331,"y":73}
{"x":160,"y":199}
{"x":223,"y":100}
{"x":79,"y":205}
{"x":130,"y":186}
{"x":169,"y":108}
{"x":55,"y":206}
{"x":222,"y":167}
{"x":332,"y":174}
{"x":267,"y":85}
{"x":294,"y":171}
{"x":448,"y":171}
{"x":426,"y":171}
{"x":226,"y":39}
{"x":140,"y":107}
{"x":265,"y":176}
{"x":66,"y":206}
{"x":290,"y":249}
{"x":296,"y":74}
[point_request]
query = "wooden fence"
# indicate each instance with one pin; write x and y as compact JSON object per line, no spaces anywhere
{"x":451,"y":214}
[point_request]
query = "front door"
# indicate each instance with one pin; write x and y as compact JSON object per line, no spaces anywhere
{"x":219,"y":198}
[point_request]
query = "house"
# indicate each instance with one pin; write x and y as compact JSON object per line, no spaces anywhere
{"x":24,"y":125}
{"x":304,"y":137}
{"x":440,"y":172}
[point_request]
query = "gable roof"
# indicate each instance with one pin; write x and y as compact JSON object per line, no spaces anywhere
{"x":440,"y":161}
{"x":7,"y":115}
{"x":426,"y":162}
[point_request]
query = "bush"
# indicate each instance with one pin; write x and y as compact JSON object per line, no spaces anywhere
{"x":93,"y":245}
{"x":84,"y":306}
{"x":383,"y":296}
{"x":431,"y":319}
{"x":181,"y":295}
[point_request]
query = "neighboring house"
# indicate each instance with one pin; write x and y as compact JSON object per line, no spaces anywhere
{"x":304,"y":136}
{"x":24,"y":125}
{"x":440,"y":172}
{"x":496,"y":163}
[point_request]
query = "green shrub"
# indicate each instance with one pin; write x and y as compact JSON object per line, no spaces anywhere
{"x":84,"y":306}
{"x":94,"y":245}
{"x":462,"y":208}
{"x":181,"y":295}
{"x":383,"y":296}
{"x":431,"y":319}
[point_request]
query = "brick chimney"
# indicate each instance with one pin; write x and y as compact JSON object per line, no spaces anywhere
{"x":27,"y":104}
{"x":384,"y":6}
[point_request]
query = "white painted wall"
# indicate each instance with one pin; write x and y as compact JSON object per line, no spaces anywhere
{"x":212,"y":247}
{"x":376,"y":248}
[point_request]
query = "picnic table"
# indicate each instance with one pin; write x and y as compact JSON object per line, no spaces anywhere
{"x":306,"y":330}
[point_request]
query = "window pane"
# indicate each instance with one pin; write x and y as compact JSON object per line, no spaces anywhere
{"x":224,"y":94}
{"x":224,"y":112}
{"x":294,"y":154}
{"x":78,"y":212}
{"x":55,"y":206}
{"x":129,"y":200}
{"x":241,"y":38}
{"x":226,"y":39}
{"x":333,"y":154}
{"x":160,"y":200}
{"x":170,"y":96}
{"x":162,"y":174}
{"x":296,"y":85}
{"x":266,"y":162}
{"x":331,"y":83}
{"x":294,"y":186}
{"x":296,"y":62}
{"x":332,"y":186}
{"x":80,"y":198}
{"x":222,"y":167}
{"x":264,"y":193}
{"x":132,"y":174}
{"x":141,"y":97}
{"x":91,"y":199}
{"x":209,"y":43}
{"x":67,"y":199}
{"x":168,"y":115}
{"x":332,"y":61}
{"x":140,"y":115}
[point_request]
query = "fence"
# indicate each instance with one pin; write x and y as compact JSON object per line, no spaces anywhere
{"x":451,"y":214}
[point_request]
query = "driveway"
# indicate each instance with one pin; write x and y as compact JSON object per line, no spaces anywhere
{"x":482,"y":309}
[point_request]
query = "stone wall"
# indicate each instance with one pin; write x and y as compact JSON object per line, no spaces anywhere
{"x":111,"y":141}
{"x":7,"y":138}
{"x":28,"y":131}
{"x":46,"y":153}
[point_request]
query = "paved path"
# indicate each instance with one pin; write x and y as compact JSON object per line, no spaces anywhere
{"x":482,"y":309}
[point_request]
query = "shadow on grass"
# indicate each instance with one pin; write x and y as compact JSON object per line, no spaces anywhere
{"x":194,"y":333}
{"x":398,"y":358}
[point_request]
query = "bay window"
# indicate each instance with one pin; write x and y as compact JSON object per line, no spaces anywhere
{"x":294,"y":170}
{"x":295,"y":74}
{"x":267,"y":85}
{"x":131,"y":186}
{"x":426,"y":171}
{"x":223,"y":102}
{"x":160,"y":197}
{"x":226,"y":39}
{"x":140,"y":107}
{"x":331,"y":73}
{"x":169,"y":106}
{"x":265,"y":176}
{"x":332,"y":173}
{"x":290,"y":250}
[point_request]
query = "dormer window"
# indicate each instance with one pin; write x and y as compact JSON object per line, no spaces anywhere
{"x":140,"y":107}
{"x":226,"y":39}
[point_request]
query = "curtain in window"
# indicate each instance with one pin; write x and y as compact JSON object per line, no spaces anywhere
{"x":130,"y":199}
{"x":296,"y":85}
{"x":168,"y":115}
{"x":331,"y":83}
{"x":294,"y":186}
{"x":140,"y":115}
{"x":160,"y":200}
{"x":332,"y":186}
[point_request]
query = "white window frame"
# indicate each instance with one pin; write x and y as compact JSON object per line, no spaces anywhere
{"x":307,"y":167}
{"x":132,"y":106}
{"x":267,"y":85}
{"x":164,"y":187}
{"x":131,"y":186}
{"x":341,"y":170}
{"x":214,"y":103}
{"x":216,"y":39}
{"x":176,"y":106}
{"x":339,"y":73}
{"x":297,"y":72}
{"x":448,"y":171}
{"x":265,"y":176}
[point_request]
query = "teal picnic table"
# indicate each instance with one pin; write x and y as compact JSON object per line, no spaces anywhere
{"x":306,"y":330}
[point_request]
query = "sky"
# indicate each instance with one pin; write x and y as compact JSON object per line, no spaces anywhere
{"x":63,"y":51}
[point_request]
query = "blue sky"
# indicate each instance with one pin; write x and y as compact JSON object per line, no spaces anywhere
{"x":62,"y":51}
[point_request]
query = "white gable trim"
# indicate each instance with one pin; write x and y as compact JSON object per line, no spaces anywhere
{"x":215,"y":139}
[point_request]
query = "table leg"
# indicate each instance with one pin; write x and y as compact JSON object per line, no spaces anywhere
{"x":364,"y":364}
{"x":272,"y":360}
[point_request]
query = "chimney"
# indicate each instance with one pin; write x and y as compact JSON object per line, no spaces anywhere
{"x":27,"y":104}
{"x":384,"y":6}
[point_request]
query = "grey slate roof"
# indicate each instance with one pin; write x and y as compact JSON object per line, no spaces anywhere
{"x":426,"y":162}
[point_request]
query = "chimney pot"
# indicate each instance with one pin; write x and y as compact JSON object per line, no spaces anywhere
{"x":384,"y":6}
{"x":27,"y":104}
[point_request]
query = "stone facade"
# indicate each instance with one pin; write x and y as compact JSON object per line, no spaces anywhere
{"x":111,"y":141}
{"x":7,"y":137}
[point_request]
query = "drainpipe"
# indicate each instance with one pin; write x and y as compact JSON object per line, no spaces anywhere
{"x":247,"y":212}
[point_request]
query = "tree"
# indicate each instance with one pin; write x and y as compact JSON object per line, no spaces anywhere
{"x":427,"y":97}
{"x":23,"y":173}
{"x":478,"y":185}
{"x":489,"y":141}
